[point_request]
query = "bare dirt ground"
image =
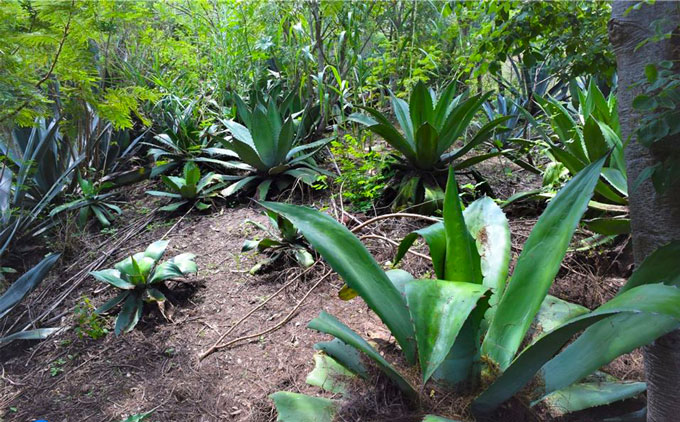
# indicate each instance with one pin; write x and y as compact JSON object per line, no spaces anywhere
{"x":156,"y":366}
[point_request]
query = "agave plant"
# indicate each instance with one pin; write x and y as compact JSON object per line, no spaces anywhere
{"x":284,"y":240}
{"x":189,"y":188}
{"x":271,"y":149}
{"x":140,"y":279}
{"x":584,"y":139}
{"x":184,"y":140}
{"x":37,"y":167}
{"x":91,"y":202}
{"x":430,"y":126}
{"x":465,"y":328}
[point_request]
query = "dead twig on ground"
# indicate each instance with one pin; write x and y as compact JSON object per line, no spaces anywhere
{"x":216,"y":345}
{"x":272,"y":328}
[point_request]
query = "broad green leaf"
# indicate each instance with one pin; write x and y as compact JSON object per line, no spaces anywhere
{"x":130,"y":313}
{"x":173,"y":206}
{"x":459,"y":119}
{"x":615,"y":178}
{"x":350,"y":259}
{"x":591,"y":394}
{"x":328,"y":324}
{"x":163,"y":194}
{"x":68,"y":206}
{"x":156,"y":250}
{"x":172,"y":182}
{"x":421,"y":109}
{"x":206,"y":181}
{"x":242,"y":109}
{"x":155,"y":295}
{"x":101,"y":215}
{"x":303,"y":257}
{"x":482,"y":135}
{"x":570,"y":161}
{"x":235,"y":187}
{"x":439,"y":308}
{"x":403,"y":115}
{"x":661,"y":266}
{"x":294,"y":407}
{"x":435,"y":237}
{"x":248,"y":154}
{"x":609,"y":225}
{"x":191,"y":174}
{"x":239,"y":132}
{"x":26,"y":283}
{"x":426,"y":146}
{"x":362,"y":119}
{"x":555,"y":312}
{"x":596,"y":145}
{"x":109,"y":304}
{"x":462,"y":365}
{"x":249,"y":245}
{"x":35,"y":334}
{"x":601,"y":343}
{"x":137,"y":267}
{"x":347,"y":356}
{"x":314,"y":146}
{"x":537,"y":266}
{"x":462,"y":261}
{"x":285,"y":141}
{"x":605,"y":340}
{"x":489,"y":227}
{"x":433,"y":418}
{"x":165,"y":271}
{"x":444,"y":105}
{"x":112,"y":277}
{"x":399,"y":279}
{"x":329,"y":375}
{"x":396,"y":140}
{"x":262,"y":189}
{"x":186,"y":263}
{"x":655,"y":300}
{"x":267,"y":243}
{"x":264,"y":137}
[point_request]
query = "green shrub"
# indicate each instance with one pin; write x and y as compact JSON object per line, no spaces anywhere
{"x":363,"y":174}
{"x":87,"y":321}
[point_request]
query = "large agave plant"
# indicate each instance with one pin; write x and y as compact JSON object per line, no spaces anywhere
{"x":466,"y":328}
{"x":583,"y":136}
{"x":38,"y":167}
{"x":271,"y":149}
{"x":430,"y":125}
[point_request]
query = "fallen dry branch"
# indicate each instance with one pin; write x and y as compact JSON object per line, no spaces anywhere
{"x":270,"y":329}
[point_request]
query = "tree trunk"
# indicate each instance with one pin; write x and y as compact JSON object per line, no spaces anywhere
{"x":655,"y":218}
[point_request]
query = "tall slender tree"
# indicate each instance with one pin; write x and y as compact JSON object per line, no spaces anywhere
{"x":655,"y":217}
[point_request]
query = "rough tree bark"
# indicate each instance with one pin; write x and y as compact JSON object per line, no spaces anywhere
{"x":655,"y":218}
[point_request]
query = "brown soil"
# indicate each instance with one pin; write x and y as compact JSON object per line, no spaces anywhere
{"x":156,"y":366}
